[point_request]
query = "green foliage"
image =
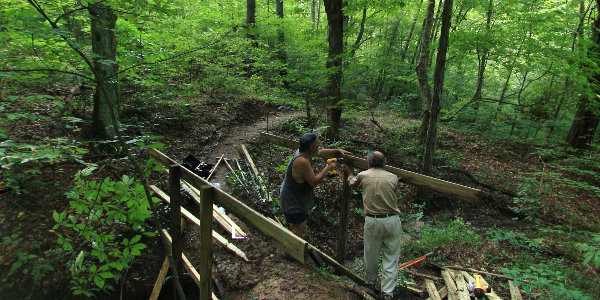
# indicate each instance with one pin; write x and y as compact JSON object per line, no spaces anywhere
{"x":591,"y":251}
{"x":451,"y":234}
{"x":529,"y":194}
{"x":548,"y":280}
{"x":21,"y":162}
{"x":99,"y":257}
{"x":517,"y":239}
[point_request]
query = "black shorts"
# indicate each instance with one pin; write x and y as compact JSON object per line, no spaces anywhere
{"x":296,"y":218}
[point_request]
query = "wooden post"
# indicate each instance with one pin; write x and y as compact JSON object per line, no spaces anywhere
{"x":174,"y":189}
{"x":207,"y":194}
{"x":343,"y":232}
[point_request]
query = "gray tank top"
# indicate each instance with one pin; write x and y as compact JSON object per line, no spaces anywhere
{"x":295,"y":197}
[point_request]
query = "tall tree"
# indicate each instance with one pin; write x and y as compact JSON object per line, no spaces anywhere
{"x":335,"y":23}
{"x":483,"y":50}
{"x":585,"y":123}
{"x":438,"y":87}
{"x":410,"y":32}
{"x":421,"y":70}
{"x":104,"y":48}
{"x":251,"y":16}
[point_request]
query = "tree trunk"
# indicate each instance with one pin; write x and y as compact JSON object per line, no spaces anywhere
{"x":438,"y":87}
{"x":421,"y":70}
{"x":410,"y":32}
{"x":312,"y":14}
{"x":504,"y":88}
{"x":576,"y":35}
{"x":282,"y":55}
{"x":318,"y":14}
{"x":482,"y":61}
{"x":434,"y":28}
{"x":251,"y":18}
{"x":333,"y":9}
{"x":104,"y":48}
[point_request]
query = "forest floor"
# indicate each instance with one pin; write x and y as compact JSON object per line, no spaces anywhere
{"x":535,"y":239}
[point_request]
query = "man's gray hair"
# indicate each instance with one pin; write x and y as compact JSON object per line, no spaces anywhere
{"x":376,"y":159}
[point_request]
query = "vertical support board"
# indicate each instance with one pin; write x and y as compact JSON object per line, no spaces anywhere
{"x":174,"y":190}
{"x":159,"y":280}
{"x":207,"y":195}
{"x":343,"y":232}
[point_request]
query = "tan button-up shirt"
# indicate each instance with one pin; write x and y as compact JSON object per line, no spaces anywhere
{"x":378,"y":190}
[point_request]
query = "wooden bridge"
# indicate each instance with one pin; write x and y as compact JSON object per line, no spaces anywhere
{"x":206,"y":195}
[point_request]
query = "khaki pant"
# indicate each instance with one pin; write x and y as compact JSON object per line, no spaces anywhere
{"x":382,"y":234}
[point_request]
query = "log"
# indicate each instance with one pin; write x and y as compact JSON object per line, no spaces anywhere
{"x":515,"y":293}
{"x":432,"y":290}
{"x":289,"y":242}
{"x":445,"y":187}
{"x":196,"y":221}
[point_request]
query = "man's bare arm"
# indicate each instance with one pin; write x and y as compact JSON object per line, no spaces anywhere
{"x":309,"y":176}
{"x":327,"y":153}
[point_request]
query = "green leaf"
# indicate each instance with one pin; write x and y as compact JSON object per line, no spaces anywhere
{"x":135,"y":239}
{"x":99,"y":281}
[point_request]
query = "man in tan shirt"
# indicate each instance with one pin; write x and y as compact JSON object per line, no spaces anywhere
{"x":383,"y":228}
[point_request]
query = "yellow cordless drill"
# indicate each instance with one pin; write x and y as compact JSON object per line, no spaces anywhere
{"x":479,"y":290}
{"x":334,"y":172}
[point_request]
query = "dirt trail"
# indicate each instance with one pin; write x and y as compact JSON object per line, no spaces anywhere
{"x":268,"y":275}
{"x":237,"y":136}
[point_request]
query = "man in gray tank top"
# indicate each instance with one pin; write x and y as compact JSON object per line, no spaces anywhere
{"x":296,"y":195}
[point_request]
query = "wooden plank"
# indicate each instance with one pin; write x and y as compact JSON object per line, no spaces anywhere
{"x":432,"y":290}
{"x":461,"y":286}
{"x":289,"y":242}
{"x":344,"y":215}
{"x":277,"y":140}
{"x":255,"y":171}
{"x":215,"y":167}
{"x":515,"y":293}
{"x":207,"y":195}
{"x":443,"y":293}
{"x":445,"y":187}
{"x":452,"y":290}
{"x":188,"y":266}
{"x":292,"y":244}
{"x":222,"y":219}
{"x":196,"y":221}
{"x":160,"y":280}
{"x":176,"y":245}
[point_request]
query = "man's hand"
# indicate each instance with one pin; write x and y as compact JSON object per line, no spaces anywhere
{"x":347,"y":170}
